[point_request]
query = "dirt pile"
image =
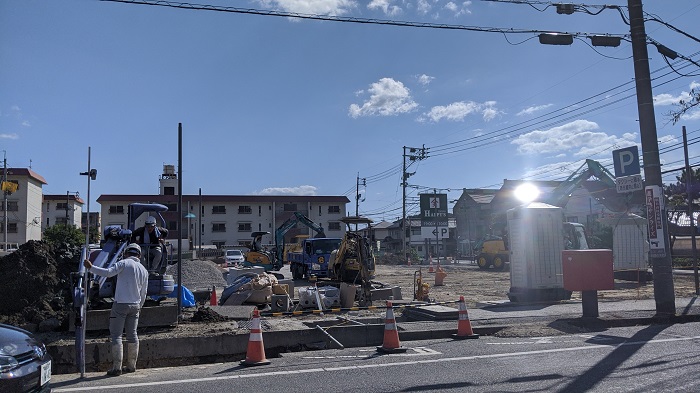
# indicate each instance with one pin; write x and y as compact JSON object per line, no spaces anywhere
{"x":35,"y":286}
{"x":206,"y":314}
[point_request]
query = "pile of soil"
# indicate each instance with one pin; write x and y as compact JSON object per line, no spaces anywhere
{"x":35,"y":286}
{"x":206,"y":314}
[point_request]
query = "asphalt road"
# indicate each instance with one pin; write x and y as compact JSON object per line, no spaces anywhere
{"x":654,"y":358}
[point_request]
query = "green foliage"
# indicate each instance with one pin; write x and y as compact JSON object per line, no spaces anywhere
{"x":600,"y":237}
{"x":64,"y":234}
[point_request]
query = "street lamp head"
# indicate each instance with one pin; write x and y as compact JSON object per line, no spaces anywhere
{"x":605,"y":40}
{"x":556,"y":39}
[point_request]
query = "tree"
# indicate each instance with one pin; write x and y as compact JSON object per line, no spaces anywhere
{"x":64,"y":234}
{"x":685,"y":106}
{"x":677,"y":199}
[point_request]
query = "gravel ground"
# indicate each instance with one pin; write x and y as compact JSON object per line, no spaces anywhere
{"x":199,"y":274}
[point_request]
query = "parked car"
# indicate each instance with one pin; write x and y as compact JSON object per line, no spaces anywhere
{"x":25,"y":366}
{"x":234,"y":257}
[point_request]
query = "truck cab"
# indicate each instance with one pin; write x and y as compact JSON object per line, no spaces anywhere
{"x":313,"y":258}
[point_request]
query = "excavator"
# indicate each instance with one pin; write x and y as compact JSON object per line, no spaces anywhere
{"x":493,"y":252}
{"x":257,"y":256}
{"x":353,"y":262}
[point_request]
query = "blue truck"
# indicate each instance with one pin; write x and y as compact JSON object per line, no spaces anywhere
{"x":313,"y":258}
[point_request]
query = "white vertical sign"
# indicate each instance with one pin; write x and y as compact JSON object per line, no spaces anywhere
{"x":655,"y":205}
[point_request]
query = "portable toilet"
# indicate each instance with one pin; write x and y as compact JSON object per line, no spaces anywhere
{"x":536,"y":239}
{"x":630,"y":247}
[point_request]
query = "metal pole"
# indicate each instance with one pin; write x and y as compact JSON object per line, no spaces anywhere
{"x":661,"y":265}
{"x":199,"y":231}
{"x":4,"y":200}
{"x":403,"y":206}
{"x":437,"y":231}
{"x":179,"y":221}
{"x":688,"y":188}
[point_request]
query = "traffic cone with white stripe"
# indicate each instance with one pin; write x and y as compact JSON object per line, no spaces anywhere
{"x":431,"y":269}
{"x":464,"y":326}
{"x":255,"y":356}
{"x":391,"y":342}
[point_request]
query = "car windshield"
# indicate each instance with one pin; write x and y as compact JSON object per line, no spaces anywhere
{"x":325,"y":246}
{"x":233,"y":252}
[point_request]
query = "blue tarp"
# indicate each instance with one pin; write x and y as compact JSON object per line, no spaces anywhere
{"x":187,"y":296}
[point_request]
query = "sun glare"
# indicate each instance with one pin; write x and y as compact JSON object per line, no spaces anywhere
{"x":527,"y":192}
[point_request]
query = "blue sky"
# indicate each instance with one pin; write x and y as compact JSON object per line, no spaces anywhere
{"x":274,"y":105}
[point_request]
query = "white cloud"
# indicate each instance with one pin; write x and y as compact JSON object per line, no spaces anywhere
{"x":26,"y":123}
{"x":693,"y":115}
{"x":533,"y":109}
{"x":581,"y":137}
{"x":385,"y":6}
{"x":425,"y":79}
{"x":423,"y":7}
{"x":457,"y":111}
{"x":667,"y":99}
{"x":458,"y":9}
{"x":388,"y":97}
{"x":9,"y":136}
{"x":315,"y":7}
{"x":667,"y":139}
{"x":300,"y":190}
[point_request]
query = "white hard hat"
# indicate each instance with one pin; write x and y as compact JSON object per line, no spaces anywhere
{"x":151,"y":220}
{"x":133,"y":248}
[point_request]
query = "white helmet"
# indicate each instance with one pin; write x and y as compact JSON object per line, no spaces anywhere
{"x":133,"y":248}
{"x":150,"y":220}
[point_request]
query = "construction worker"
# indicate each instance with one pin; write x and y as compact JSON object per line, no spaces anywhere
{"x":152,"y":237}
{"x":129,"y":297}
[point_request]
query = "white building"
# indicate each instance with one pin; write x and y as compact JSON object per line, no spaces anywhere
{"x":22,"y":211}
{"x":228,"y":220}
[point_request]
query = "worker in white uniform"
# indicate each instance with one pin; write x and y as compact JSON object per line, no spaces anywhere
{"x":129,"y":297}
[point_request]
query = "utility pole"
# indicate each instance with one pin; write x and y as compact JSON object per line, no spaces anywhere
{"x":416,"y":154}
{"x":4,"y":200}
{"x":357,"y":193}
{"x":688,"y":189}
{"x":661,"y":265}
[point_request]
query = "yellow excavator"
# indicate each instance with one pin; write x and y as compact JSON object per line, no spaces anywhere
{"x":353,"y":262}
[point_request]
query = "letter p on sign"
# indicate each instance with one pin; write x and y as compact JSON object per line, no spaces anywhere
{"x":626,"y":161}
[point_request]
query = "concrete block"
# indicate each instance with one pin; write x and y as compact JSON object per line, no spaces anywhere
{"x":280,"y":303}
{"x":290,"y":285}
{"x":165,"y":315}
{"x":381,"y":293}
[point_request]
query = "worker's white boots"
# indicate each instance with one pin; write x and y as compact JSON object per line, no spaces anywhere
{"x":132,"y":354}
{"x":117,"y":355}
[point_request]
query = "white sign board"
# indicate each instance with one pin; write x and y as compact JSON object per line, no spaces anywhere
{"x":657,"y":238}
{"x":629,"y":183}
{"x":429,"y":233}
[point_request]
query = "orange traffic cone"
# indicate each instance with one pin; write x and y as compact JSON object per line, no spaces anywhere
{"x":430,"y":269}
{"x":212,"y":299}
{"x":255,"y":356}
{"x":391,"y":342}
{"x":464,"y":327}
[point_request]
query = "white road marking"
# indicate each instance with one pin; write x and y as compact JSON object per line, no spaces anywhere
{"x":374,"y":365}
{"x":415,"y":351}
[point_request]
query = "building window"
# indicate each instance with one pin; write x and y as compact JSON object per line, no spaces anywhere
{"x":11,"y":227}
{"x":333,"y":226}
{"x":218,"y":209}
{"x":259,"y":211}
{"x":12,"y":206}
{"x":114,"y":209}
{"x":245,"y":227}
{"x":415,"y":230}
{"x":168,"y":190}
{"x":171,"y":225}
{"x":218,"y":227}
{"x":572,"y":219}
{"x":171,"y":206}
{"x":61,"y":221}
{"x":245,"y":210}
{"x":259,"y":227}
{"x":290,"y":207}
{"x":219,"y":243}
{"x":62,"y":206}
{"x":334,"y":209}
{"x":319,"y":210}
